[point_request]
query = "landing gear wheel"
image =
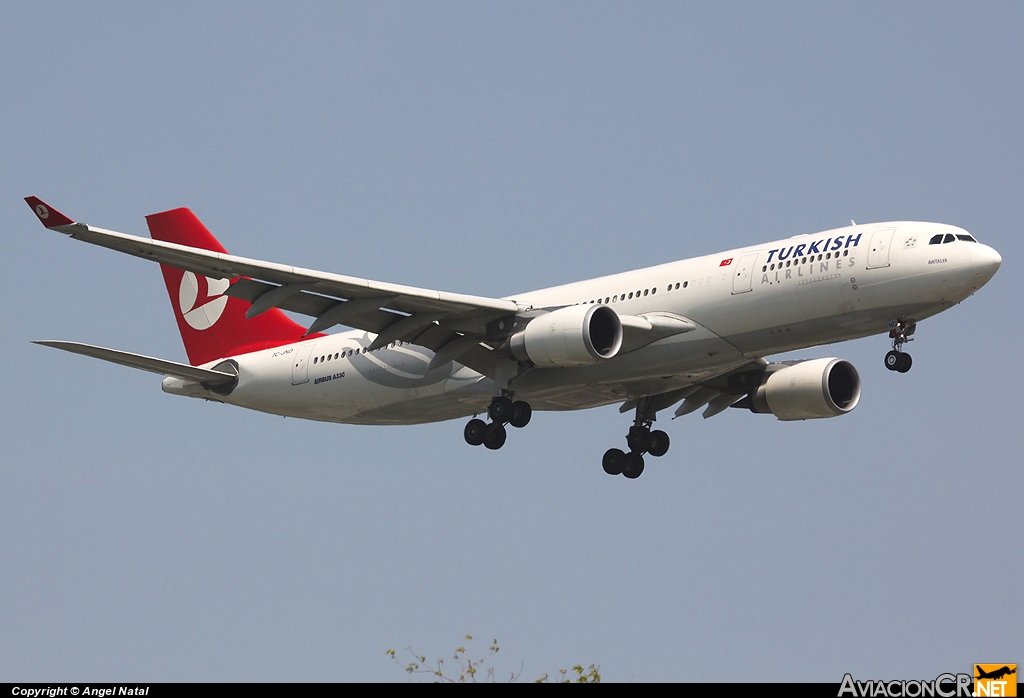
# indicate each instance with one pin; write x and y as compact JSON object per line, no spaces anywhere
{"x":904,"y":363}
{"x":634,"y":466}
{"x":658,"y":443}
{"x":475,"y":432}
{"x":613,"y":461}
{"x":521,"y":413}
{"x":900,"y":332}
{"x":638,"y":438}
{"x":500,"y":409}
{"x":892,"y":360}
{"x":495,"y":438}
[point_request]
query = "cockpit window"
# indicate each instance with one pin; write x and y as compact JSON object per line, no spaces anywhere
{"x":950,"y":237}
{"x":936,"y":239}
{"x":966,"y":238}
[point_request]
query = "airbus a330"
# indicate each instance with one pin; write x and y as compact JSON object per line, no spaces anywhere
{"x":694,"y":332}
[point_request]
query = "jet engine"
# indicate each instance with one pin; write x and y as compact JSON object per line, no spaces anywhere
{"x":573,"y":336}
{"x":808,"y":390}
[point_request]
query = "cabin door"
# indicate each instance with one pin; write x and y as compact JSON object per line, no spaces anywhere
{"x":743,"y":273}
{"x":300,"y":364}
{"x":878,"y":253}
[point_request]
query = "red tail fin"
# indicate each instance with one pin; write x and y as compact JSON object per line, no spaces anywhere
{"x":213,"y":325}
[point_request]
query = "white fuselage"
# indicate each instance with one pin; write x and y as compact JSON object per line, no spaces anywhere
{"x":785,"y":295}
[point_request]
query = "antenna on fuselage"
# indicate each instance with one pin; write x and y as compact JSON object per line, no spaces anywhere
{"x":853,"y":222}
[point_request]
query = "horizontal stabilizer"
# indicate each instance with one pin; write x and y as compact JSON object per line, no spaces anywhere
{"x":145,"y":363}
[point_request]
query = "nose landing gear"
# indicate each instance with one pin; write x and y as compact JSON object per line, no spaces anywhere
{"x":900,"y":332}
{"x":502,"y":411}
{"x":640,"y":440}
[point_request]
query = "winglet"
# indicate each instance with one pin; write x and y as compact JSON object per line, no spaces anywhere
{"x":48,"y":215}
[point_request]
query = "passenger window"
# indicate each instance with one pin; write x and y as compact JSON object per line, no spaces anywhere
{"x":645,"y":292}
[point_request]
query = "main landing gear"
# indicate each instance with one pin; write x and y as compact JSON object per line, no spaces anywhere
{"x":640,"y":440}
{"x":900,"y":332}
{"x":502,"y":411}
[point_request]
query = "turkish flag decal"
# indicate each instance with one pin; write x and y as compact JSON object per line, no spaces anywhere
{"x":726,"y":262}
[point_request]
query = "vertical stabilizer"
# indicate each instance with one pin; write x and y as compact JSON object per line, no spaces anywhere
{"x":212,"y":325}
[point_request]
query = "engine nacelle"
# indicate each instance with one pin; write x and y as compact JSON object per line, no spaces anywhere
{"x":573,"y":336}
{"x":809,"y":390}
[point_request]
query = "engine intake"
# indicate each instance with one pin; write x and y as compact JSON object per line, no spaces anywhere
{"x":577,"y":335}
{"x":812,"y":389}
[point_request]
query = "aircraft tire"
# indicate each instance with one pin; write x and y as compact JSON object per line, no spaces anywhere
{"x":905,"y":363}
{"x":613,"y":461}
{"x":500,"y":409}
{"x":634,"y":466}
{"x":658,"y":444}
{"x":638,"y":438}
{"x":475,"y":432}
{"x":892,"y":360}
{"x":521,"y":413}
{"x":496,"y":435}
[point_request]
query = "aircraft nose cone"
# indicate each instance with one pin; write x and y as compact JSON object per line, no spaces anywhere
{"x":986,"y":260}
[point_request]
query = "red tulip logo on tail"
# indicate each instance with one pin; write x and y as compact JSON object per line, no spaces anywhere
{"x":202,"y":300}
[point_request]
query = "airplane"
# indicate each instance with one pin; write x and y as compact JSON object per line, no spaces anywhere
{"x":995,"y":674}
{"x":694,"y":332}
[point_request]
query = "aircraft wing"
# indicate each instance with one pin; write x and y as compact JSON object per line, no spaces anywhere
{"x":144,"y":363}
{"x":434,"y":319}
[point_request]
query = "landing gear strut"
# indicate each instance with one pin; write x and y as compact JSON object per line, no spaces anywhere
{"x":502,"y":411}
{"x":900,"y":332}
{"x":640,"y":440}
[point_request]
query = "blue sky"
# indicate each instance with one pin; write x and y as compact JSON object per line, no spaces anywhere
{"x":490,"y":149}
